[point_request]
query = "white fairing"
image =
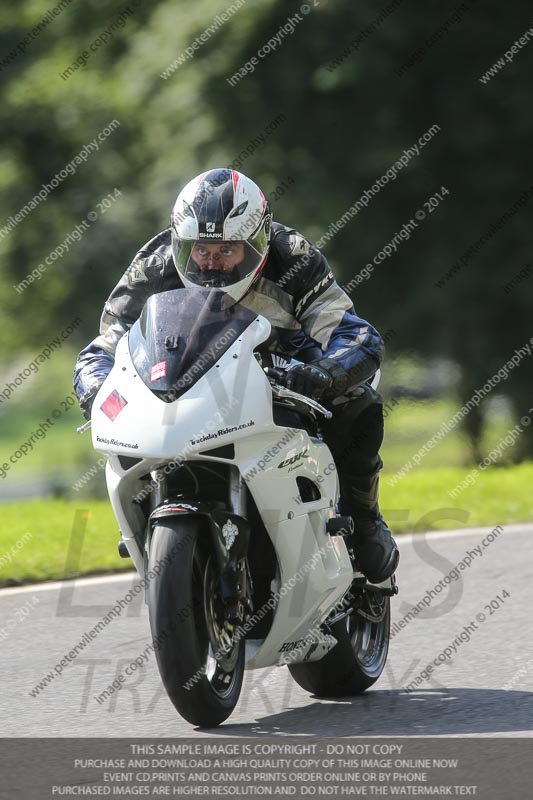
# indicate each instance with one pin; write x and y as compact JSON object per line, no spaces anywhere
{"x":232,"y":403}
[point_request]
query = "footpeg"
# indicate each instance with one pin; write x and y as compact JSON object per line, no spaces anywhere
{"x":123,"y":550}
{"x":340,"y":526}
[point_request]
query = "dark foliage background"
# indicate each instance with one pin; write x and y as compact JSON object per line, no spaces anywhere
{"x":349,"y":111}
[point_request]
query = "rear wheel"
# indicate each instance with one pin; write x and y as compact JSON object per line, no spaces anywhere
{"x":357,"y":661}
{"x":201,"y":666}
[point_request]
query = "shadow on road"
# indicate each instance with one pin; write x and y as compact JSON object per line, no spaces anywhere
{"x":433,"y":712}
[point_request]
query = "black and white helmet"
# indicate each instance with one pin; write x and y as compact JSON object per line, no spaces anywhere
{"x":220,"y":227}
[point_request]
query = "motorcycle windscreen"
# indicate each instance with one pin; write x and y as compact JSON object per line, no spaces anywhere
{"x":181,"y":334}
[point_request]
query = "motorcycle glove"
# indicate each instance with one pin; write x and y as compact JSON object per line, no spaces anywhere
{"x":320,"y":380}
{"x":309,"y":380}
{"x":92,"y":368}
{"x":86,"y":401}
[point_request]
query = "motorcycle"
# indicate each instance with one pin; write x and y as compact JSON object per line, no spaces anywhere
{"x":226,"y":498}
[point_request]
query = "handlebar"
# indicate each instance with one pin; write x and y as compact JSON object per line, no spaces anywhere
{"x":277,"y":378}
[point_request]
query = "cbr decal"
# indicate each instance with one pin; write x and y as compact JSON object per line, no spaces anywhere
{"x":294,"y":459}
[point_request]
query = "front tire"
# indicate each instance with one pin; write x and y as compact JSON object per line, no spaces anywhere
{"x":200,"y":665}
{"x":357,"y":661}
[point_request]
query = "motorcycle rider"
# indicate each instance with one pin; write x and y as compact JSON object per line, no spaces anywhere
{"x":221,"y":235}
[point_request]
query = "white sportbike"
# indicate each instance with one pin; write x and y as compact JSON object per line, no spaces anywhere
{"x":226,"y":498}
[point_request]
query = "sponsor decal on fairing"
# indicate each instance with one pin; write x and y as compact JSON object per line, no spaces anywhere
{"x":113,"y":405}
{"x":158,"y":371}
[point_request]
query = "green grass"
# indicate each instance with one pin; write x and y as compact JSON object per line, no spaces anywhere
{"x":60,"y":454}
{"x":410,"y":424}
{"x":67,"y":539}
{"x":500,"y":496}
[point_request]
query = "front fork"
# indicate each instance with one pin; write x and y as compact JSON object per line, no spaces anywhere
{"x":235,"y":579}
{"x":238,"y":504}
{"x":230,"y":535}
{"x":237,"y":492}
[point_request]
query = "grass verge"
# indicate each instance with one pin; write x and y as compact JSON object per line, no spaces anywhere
{"x":56,"y":539}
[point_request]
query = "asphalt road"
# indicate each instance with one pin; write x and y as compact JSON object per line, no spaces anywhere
{"x":485,"y":688}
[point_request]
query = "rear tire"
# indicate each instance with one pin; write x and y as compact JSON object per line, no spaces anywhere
{"x":357,"y":661}
{"x":186,"y":621}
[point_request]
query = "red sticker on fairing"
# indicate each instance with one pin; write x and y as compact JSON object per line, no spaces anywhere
{"x":158,"y":371}
{"x":113,"y":405}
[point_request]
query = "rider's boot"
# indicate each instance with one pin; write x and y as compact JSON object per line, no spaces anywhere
{"x":374,"y":548}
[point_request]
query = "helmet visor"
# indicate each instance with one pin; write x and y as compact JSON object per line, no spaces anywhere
{"x":219,"y":263}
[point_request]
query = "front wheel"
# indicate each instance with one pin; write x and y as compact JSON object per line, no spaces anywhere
{"x":357,"y":661}
{"x":201,"y":666}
